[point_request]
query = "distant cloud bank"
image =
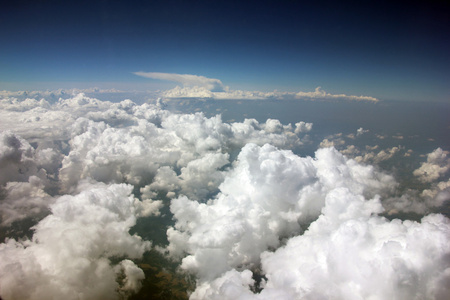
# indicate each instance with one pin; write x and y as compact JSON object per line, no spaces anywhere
{"x":210,"y":84}
{"x":191,"y":86}
{"x":195,"y":86}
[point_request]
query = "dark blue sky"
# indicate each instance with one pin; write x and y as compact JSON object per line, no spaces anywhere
{"x":382,"y":49}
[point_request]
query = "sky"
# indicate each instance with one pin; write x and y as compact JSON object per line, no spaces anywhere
{"x":224,"y":150}
{"x":387,"y":50}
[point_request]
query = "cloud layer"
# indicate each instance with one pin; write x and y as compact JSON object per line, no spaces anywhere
{"x":204,"y":92}
{"x":195,"y":86}
{"x":251,"y":218}
{"x":67,"y":185}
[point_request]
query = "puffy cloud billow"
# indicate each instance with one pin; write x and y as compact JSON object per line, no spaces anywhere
{"x":349,"y":253}
{"x":26,"y":176}
{"x":63,"y":167}
{"x":437,"y":164}
{"x":251,"y":218}
{"x":69,"y":255}
{"x":268,"y":195}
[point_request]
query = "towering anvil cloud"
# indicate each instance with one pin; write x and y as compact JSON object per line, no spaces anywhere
{"x":211,"y":84}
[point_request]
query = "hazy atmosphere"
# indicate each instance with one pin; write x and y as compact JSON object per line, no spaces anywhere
{"x":224,"y":150}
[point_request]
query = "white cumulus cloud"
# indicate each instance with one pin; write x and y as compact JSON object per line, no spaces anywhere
{"x":267,"y":196}
{"x":437,"y":164}
{"x":349,"y":253}
{"x":69,"y":254}
{"x":251,"y":219}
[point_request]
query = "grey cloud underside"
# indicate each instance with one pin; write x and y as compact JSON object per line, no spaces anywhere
{"x":242,"y":203}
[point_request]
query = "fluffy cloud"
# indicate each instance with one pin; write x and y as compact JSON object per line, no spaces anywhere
{"x":21,"y":200}
{"x":42,"y":121}
{"x":16,"y":158}
{"x":80,"y":141}
{"x":26,"y":176}
{"x":368,"y":156}
{"x":434,"y":197}
{"x":135,"y":152}
{"x":115,"y":142}
{"x":268,"y":220}
{"x":303,"y":127}
{"x":437,"y":164}
{"x":412,"y":199}
{"x":419,"y":202}
{"x":348,"y":253}
{"x":209,"y":84}
{"x":267,"y":196}
{"x":69,"y":255}
{"x":361,"y":131}
{"x":437,"y":193}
